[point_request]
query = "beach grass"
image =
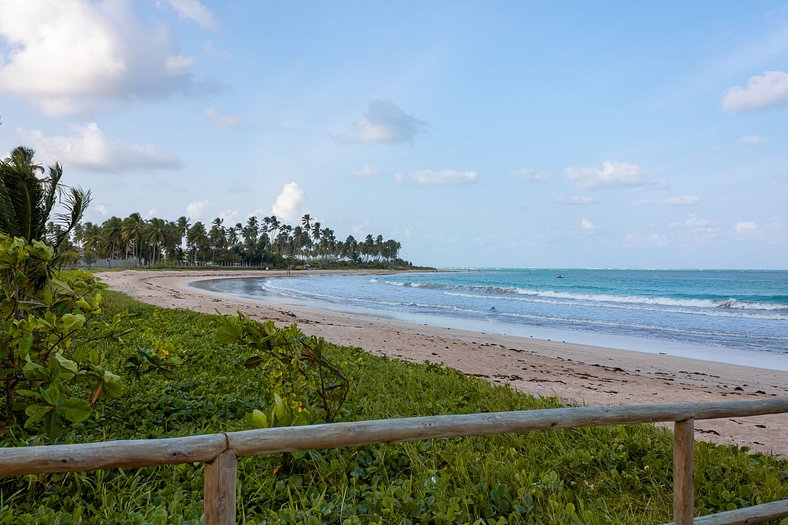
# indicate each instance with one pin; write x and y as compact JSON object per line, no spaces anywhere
{"x":616,"y":474}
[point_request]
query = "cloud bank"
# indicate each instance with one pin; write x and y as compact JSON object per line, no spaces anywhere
{"x":610,"y":174}
{"x":67,"y":56}
{"x":195,"y":11}
{"x":762,"y":91}
{"x":384,"y":123}
{"x":89,"y":149}
{"x":223,"y":120}
{"x":438,"y":178}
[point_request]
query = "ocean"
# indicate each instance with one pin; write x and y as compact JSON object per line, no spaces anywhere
{"x":733,"y":316}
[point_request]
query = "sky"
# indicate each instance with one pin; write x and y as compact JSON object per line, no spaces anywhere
{"x":478,"y":134}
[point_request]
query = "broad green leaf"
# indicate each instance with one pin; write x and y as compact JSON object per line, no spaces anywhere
{"x":36,"y":413}
{"x":259,"y":419}
{"x":53,"y":425}
{"x":113,"y":384}
{"x":279,"y":407}
{"x":84,"y":305}
{"x":35,"y":371}
{"x":229,"y":332}
{"x":75,"y":410}
{"x":73,"y":321}
{"x":25,"y":343}
{"x":24,"y":392}
{"x":66,"y":364}
{"x":253,"y":361}
{"x":53,"y":394}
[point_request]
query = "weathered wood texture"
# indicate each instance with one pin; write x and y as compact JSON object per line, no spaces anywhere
{"x":746,"y":516}
{"x":110,"y":454}
{"x":141,"y":453}
{"x":220,"y":482}
{"x":278,"y":440}
{"x":219,"y":451}
{"x":683,"y":468}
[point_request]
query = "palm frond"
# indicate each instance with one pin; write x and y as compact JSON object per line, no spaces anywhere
{"x":75,"y":201}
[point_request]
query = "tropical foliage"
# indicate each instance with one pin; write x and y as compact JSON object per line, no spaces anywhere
{"x":52,"y":360}
{"x":266,"y":242}
{"x":28,"y":201}
{"x":610,"y":475}
{"x":295,"y":364}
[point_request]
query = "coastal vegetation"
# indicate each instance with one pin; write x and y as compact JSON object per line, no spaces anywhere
{"x":258,"y":242}
{"x":590,"y":475}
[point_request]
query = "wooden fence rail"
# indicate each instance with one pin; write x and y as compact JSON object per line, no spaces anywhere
{"x":219,"y":451}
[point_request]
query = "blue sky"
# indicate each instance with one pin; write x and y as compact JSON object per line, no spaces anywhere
{"x":535,"y":134}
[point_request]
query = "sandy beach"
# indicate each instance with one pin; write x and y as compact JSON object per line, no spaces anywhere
{"x":577,"y":374}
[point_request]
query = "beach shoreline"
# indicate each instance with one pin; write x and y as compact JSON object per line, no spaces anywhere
{"x":575,"y":373}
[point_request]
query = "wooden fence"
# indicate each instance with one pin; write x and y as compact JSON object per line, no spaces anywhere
{"x":219,"y":451}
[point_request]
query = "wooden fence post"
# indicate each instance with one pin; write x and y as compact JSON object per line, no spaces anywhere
{"x":683,"y":468}
{"x":220,"y":481}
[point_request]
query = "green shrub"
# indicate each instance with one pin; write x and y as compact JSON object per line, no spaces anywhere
{"x":53,"y":371}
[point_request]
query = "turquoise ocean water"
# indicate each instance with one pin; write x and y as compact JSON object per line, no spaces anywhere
{"x":737,"y":316}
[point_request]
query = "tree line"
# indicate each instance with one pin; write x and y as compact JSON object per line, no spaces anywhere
{"x":258,"y":242}
{"x":28,"y":199}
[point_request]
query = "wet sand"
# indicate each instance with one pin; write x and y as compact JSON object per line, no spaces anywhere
{"x":577,"y":374}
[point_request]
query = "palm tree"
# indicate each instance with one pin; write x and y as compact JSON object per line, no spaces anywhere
{"x":250,"y":234}
{"x":131,"y":232}
{"x":27,"y":202}
{"x":91,"y":239}
{"x":217,"y":236}
{"x":111,"y":234}
{"x":197,"y":240}
{"x":156,"y":235}
{"x":306,"y":228}
{"x":350,"y":248}
{"x":183,"y":227}
{"x":368,"y":248}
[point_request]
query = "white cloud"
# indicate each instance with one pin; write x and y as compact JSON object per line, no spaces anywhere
{"x":682,"y":200}
{"x":640,"y":203}
{"x":527,"y":174}
{"x":576,"y":200}
{"x":438,"y":178}
{"x":610,"y":174}
{"x":194,"y":11}
{"x":384,"y":122}
{"x":230,"y":217}
{"x":101,"y":209}
{"x":765,"y":90}
{"x":194,"y":210}
{"x":223,"y":120}
{"x":694,"y":224}
{"x":653,"y":240}
{"x":364,"y":173}
{"x":69,"y":56}
{"x":89,"y":149}
{"x":587,"y":226}
{"x":773,"y":232}
{"x":288,"y":204}
{"x":152,"y":212}
{"x":747,"y":230}
{"x":362,"y":229}
{"x":751,"y":139}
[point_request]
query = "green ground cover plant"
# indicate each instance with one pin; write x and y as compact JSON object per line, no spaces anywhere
{"x":617,"y":474}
